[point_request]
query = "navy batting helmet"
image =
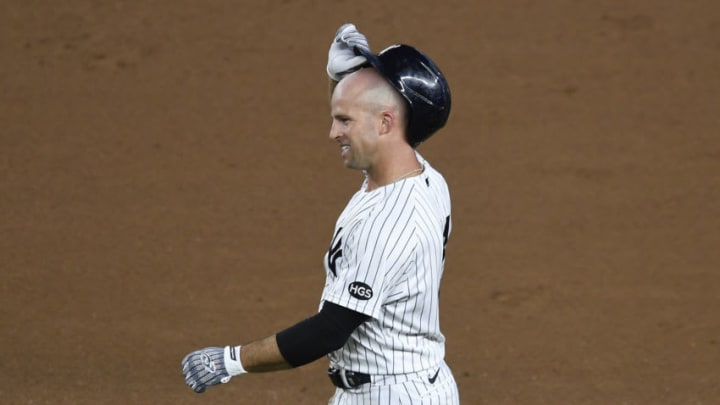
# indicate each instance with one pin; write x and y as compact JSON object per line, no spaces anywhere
{"x":416,"y":77}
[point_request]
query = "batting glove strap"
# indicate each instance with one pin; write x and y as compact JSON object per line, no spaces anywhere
{"x":232,"y":361}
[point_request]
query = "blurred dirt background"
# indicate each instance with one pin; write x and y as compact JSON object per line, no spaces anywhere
{"x":166,"y":183}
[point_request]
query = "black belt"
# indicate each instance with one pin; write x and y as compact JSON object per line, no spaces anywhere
{"x":347,"y":379}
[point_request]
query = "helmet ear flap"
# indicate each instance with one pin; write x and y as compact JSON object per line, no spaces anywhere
{"x":420,"y":82}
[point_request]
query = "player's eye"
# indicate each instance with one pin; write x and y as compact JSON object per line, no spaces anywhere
{"x":343,"y":120}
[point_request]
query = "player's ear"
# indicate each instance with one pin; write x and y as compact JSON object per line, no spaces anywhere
{"x":387,"y":122}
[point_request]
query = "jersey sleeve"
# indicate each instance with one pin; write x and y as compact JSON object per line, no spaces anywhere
{"x":376,"y":252}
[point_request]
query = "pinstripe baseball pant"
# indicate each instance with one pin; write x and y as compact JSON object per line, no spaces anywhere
{"x":410,"y":389}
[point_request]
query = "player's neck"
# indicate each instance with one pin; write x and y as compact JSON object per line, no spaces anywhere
{"x":400,"y":167}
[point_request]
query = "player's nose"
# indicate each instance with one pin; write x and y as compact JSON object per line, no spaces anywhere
{"x":334,"y":133}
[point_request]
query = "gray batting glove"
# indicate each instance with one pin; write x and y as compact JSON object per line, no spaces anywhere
{"x":211,"y":366}
{"x":342,"y":57}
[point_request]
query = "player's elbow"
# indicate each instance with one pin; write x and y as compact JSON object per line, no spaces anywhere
{"x":335,"y":342}
{"x":318,"y":335}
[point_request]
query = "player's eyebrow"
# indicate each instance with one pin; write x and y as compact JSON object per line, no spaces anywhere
{"x":340,"y":116}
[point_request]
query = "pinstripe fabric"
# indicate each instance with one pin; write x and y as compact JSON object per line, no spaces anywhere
{"x":386,"y":260}
{"x":416,"y":390}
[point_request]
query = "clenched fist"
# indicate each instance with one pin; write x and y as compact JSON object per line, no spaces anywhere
{"x":211,"y":366}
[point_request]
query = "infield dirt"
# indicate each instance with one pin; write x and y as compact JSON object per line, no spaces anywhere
{"x":167,"y":183}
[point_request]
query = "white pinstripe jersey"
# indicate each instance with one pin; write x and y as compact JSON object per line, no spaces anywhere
{"x":386,"y":260}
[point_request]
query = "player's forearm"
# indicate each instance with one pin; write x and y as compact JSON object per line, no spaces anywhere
{"x":295,"y":346}
{"x":263,"y":356}
{"x":303,"y":342}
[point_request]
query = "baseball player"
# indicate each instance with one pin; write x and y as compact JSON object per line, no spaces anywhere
{"x":378,"y":321}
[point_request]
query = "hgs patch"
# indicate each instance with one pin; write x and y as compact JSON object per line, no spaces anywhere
{"x":360,"y":290}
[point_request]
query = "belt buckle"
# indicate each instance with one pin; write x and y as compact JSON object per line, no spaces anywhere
{"x":345,"y":378}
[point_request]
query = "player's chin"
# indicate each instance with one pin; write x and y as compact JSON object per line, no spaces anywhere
{"x":348,"y":162}
{"x":351,"y":164}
